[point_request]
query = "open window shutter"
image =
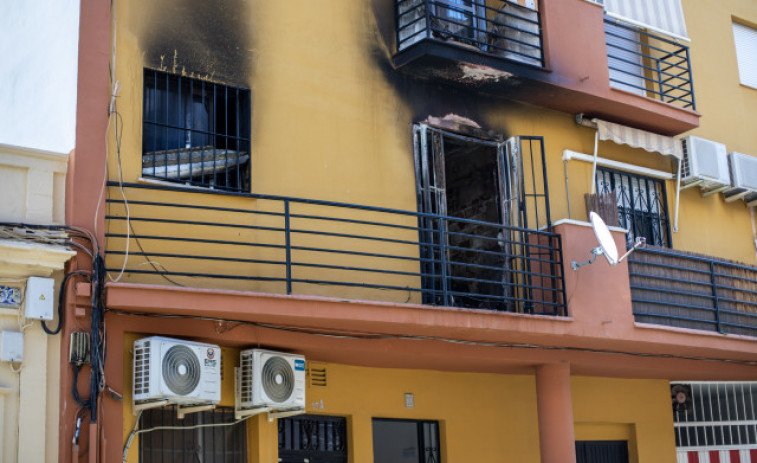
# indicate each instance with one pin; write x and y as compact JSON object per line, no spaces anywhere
{"x":745,"y":39}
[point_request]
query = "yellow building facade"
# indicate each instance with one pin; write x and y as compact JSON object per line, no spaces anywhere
{"x":395,"y":191}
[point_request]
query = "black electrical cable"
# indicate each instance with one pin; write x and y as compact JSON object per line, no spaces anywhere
{"x":75,"y":390}
{"x":61,"y":293}
{"x":98,"y":279}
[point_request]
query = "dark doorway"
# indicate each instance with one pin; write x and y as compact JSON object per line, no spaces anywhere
{"x":602,"y":451}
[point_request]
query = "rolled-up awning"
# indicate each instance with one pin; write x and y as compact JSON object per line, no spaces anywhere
{"x":637,"y":138}
{"x":662,"y":16}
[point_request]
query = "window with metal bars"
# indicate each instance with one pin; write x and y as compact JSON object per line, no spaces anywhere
{"x":642,"y":205}
{"x":195,"y":132}
{"x":313,"y":438}
{"x":405,"y":441}
{"x":201,"y":436}
{"x":715,"y":415}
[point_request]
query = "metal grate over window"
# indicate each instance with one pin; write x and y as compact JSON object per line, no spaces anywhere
{"x":220,"y":442}
{"x":715,"y":414}
{"x":313,"y":438}
{"x":642,"y":205}
{"x":195,"y":132}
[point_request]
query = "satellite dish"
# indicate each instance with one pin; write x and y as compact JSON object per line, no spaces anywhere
{"x":604,"y":237}
{"x":606,"y":244}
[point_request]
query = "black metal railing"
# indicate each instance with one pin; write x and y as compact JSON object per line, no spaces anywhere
{"x":299,"y":246}
{"x":691,"y":291}
{"x":510,"y":31}
{"x":649,"y":64}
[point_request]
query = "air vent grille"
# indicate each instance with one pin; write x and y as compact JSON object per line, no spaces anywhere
{"x":142,"y":368}
{"x":317,"y":375}
{"x":246,"y":363}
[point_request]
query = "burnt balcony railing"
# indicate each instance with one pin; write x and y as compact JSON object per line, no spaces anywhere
{"x":510,"y":31}
{"x":691,"y":291}
{"x":283,"y":245}
{"x":649,"y":64}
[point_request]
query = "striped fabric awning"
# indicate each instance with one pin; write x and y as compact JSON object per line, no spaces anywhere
{"x":662,"y":16}
{"x":637,"y":138}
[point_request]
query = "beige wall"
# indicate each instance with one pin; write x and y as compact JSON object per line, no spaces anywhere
{"x":31,"y":190}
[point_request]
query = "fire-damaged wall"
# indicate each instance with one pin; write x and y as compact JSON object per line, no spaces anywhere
{"x":210,"y":40}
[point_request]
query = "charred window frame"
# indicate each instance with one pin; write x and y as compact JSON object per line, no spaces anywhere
{"x":407,"y":441}
{"x":642,"y":205}
{"x":484,"y":223}
{"x":208,"y":436}
{"x":195,"y":132}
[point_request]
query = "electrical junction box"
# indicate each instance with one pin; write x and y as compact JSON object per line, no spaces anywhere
{"x":38,"y":300}
{"x":11,"y":346}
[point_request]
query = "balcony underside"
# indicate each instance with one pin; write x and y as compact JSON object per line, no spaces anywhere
{"x":400,"y":335}
{"x":433,"y":59}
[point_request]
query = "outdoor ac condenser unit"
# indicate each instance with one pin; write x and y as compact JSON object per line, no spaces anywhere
{"x":271,"y":379}
{"x":704,"y":162}
{"x":177,"y":371}
{"x":743,"y":171}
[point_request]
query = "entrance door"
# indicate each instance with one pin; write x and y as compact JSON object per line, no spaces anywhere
{"x":602,"y":451}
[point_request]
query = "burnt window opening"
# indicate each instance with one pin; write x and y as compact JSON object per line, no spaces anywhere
{"x":405,"y":441}
{"x":201,"y":436}
{"x":482,"y":203}
{"x":642,"y":205}
{"x":196,"y":132}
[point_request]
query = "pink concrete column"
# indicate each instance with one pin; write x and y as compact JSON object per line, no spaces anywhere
{"x":555,"y":408}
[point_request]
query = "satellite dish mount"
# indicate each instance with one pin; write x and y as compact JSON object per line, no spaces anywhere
{"x":606,"y":246}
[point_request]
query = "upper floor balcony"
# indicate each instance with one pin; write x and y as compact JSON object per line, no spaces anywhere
{"x":538,"y":53}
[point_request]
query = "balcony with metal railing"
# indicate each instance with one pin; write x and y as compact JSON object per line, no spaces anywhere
{"x":649,"y":64}
{"x":510,"y":32}
{"x":685,"y":290}
{"x":536,"y":54}
{"x":271,"y":244}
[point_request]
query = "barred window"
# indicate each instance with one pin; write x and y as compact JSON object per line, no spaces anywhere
{"x":195,"y":132}
{"x":201,"y":436}
{"x":405,"y":441}
{"x":719,"y":415}
{"x":313,"y":438}
{"x":642,"y":205}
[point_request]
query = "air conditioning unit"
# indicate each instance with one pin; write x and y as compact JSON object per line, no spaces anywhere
{"x":177,"y":371}
{"x":705,"y":163}
{"x":743,"y":171}
{"x":274,"y":380}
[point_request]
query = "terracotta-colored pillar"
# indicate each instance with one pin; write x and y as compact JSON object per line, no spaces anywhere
{"x":555,"y":408}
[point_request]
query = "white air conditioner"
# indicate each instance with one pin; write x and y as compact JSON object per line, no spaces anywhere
{"x":743,"y":171}
{"x":180,"y":372}
{"x":704,"y":162}
{"x":274,"y":380}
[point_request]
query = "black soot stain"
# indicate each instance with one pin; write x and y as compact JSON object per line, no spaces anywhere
{"x":208,"y":39}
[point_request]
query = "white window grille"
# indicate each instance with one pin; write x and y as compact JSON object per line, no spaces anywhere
{"x":715,"y":415}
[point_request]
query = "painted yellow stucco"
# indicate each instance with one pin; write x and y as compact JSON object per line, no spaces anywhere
{"x":482,"y":417}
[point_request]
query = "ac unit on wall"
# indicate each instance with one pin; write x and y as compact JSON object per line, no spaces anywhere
{"x":271,"y":379}
{"x":704,"y":162}
{"x":181,"y":372}
{"x":743,"y":171}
